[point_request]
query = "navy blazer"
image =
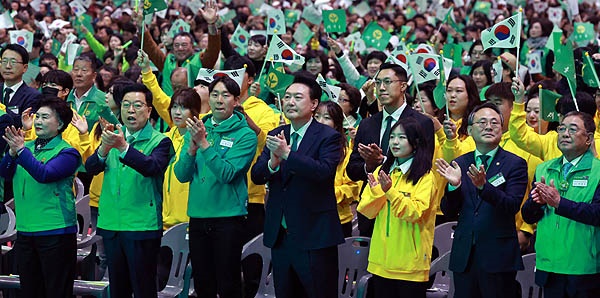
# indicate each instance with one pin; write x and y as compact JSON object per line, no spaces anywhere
{"x":487,"y":217}
{"x":24,"y":98}
{"x":369,"y":132}
{"x":303,"y":189}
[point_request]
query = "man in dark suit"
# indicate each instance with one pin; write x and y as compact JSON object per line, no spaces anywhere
{"x":16,"y":95}
{"x":485,"y":189}
{"x":302,"y":226}
{"x":372,"y":138}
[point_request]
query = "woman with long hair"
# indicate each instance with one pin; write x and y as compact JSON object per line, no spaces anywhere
{"x":346,"y":190}
{"x":462,"y":97}
{"x":400,"y":198}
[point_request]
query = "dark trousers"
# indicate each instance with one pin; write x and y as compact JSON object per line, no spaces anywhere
{"x":477,"y":282}
{"x":304,"y":273}
{"x":393,"y":288}
{"x":215,"y":251}
{"x":132,"y":265}
{"x":252,"y":265}
{"x":347,"y":229}
{"x":365,"y":225}
{"x":569,"y":286}
{"x":46,"y":265}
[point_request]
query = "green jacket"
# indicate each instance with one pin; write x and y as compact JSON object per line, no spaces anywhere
{"x":93,"y":106}
{"x":554,"y":231}
{"x":44,"y":206}
{"x":193,"y":64}
{"x":130,"y":201}
{"x":217,"y":175}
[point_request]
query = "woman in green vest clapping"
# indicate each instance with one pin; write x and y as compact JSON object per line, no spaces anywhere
{"x":43,"y":171}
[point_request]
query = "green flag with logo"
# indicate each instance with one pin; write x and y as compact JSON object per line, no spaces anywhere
{"x":291,"y":17}
{"x":547,"y":105}
{"x":151,"y":6}
{"x":590,"y":77}
{"x":565,"y":65}
{"x":482,"y":7}
{"x":277,"y":81}
{"x":303,"y":34}
{"x":375,"y":36}
{"x":453,"y":51}
{"x":582,"y":33}
{"x":334,"y":20}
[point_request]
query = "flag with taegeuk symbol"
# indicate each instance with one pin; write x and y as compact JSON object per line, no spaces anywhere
{"x":425,"y":67}
{"x":23,"y":38}
{"x":279,"y":51}
{"x":208,"y":75}
{"x":534,"y":61}
{"x":240,"y":39}
{"x":275,"y":22}
{"x":333,"y":92}
{"x":179,"y":26}
{"x":505,"y":34}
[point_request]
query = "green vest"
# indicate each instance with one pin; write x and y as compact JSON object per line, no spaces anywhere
{"x":44,"y":206}
{"x":555,"y":231}
{"x":93,"y":106}
{"x":129,"y":201}
{"x":193,"y":64}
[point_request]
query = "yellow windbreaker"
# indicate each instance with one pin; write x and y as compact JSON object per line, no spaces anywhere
{"x":175,"y":193}
{"x":267,"y":120}
{"x":405,"y":220}
{"x":160,"y":100}
{"x":346,"y":190}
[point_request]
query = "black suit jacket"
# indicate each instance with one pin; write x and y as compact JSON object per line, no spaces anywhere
{"x":369,"y":132}
{"x":23,"y":98}
{"x":303,"y":189}
{"x":487,"y":217}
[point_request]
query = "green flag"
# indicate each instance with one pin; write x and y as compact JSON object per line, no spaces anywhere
{"x":312,"y":14}
{"x":55,"y":47}
{"x":334,"y":20}
{"x":439,"y":93}
{"x":118,"y":3}
{"x":565,"y":65}
{"x":449,"y":19}
{"x":375,"y":36}
{"x":83,"y":20}
{"x":482,"y":7}
{"x":453,"y":51}
{"x":362,"y":9}
{"x":404,"y":32}
{"x":547,"y":105}
{"x":410,"y":12}
{"x":583,"y":33}
{"x":291,"y":17}
{"x":277,"y":81}
{"x":151,"y":6}
{"x":590,"y":77}
{"x":303,"y":34}
{"x":550,"y":42}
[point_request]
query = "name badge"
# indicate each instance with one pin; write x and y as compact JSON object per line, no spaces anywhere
{"x":497,"y":180}
{"x":580,"y":183}
{"x":13,"y":109}
{"x":226,"y":143}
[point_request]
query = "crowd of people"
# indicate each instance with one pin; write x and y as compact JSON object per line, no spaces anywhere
{"x":118,"y":96}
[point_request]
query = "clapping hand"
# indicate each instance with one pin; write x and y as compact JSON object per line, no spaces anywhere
{"x":15,"y":138}
{"x":452,"y":173}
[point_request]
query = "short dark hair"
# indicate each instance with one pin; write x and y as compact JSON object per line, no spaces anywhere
{"x":502,"y":90}
{"x":487,"y":70}
{"x":231,"y":85}
{"x":585,"y":102}
{"x":61,"y":108}
{"x":314,"y":54}
{"x":109,"y":69}
{"x":185,"y":34}
{"x":353,"y":96}
{"x":118,"y":84}
{"x":49,"y":56}
{"x":398,"y":70}
{"x":58,"y":77}
{"x":315,"y":91}
{"x":487,"y":105}
{"x":137,"y":87}
{"x":237,"y":62}
{"x":19,"y":50}
{"x":87,"y":58}
{"x":188,"y":98}
{"x":259,"y":38}
{"x":129,"y":27}
{"x":379,"y":55}
{"x":588,"y":120}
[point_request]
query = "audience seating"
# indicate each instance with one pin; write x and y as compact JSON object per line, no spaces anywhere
{"x":526,"y":278}
{"x":176,"y":238}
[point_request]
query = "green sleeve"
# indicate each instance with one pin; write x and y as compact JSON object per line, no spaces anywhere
{"x":95,"y":45}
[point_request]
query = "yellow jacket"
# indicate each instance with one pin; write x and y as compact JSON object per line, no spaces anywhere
{"x":543,"y":146}
{"x":96,"y":184}
{"x":265,"y":118}
{"x":346,"y":190}
{"x":403,"y":235}
{"x":175,"y":193}
{"x":160,"y":100}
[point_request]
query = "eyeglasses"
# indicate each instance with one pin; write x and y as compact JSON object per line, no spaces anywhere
{"x":482,"y":124}
{"x":11,"y":62}
{"x":136,"y":105}
{"x":571,"y":129}
{"x":215,"y":94}
{"x":386,"y":82}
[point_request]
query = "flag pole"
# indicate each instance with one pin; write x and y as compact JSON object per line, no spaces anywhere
{"x":519,"y":42}
{"x":541,"y":112}
{"x":420,"y":98}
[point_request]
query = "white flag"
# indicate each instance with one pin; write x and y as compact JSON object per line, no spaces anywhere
{"x":77,"y":7}
{"x":555,"y":15}
{"x":534,"y":62}
{"x":73,"y":50}
{"x":505,"y":34}
{"x":425,"y":67}
{"x":333,"y":92}
{"x":6,"y":20}
{"x":275,"y":22}
{"x":497,"y":71}
{"x":23,"y":38}
{"x":208,"y":75}
{"x":71,"y":38}
{"x":281,"y":52}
